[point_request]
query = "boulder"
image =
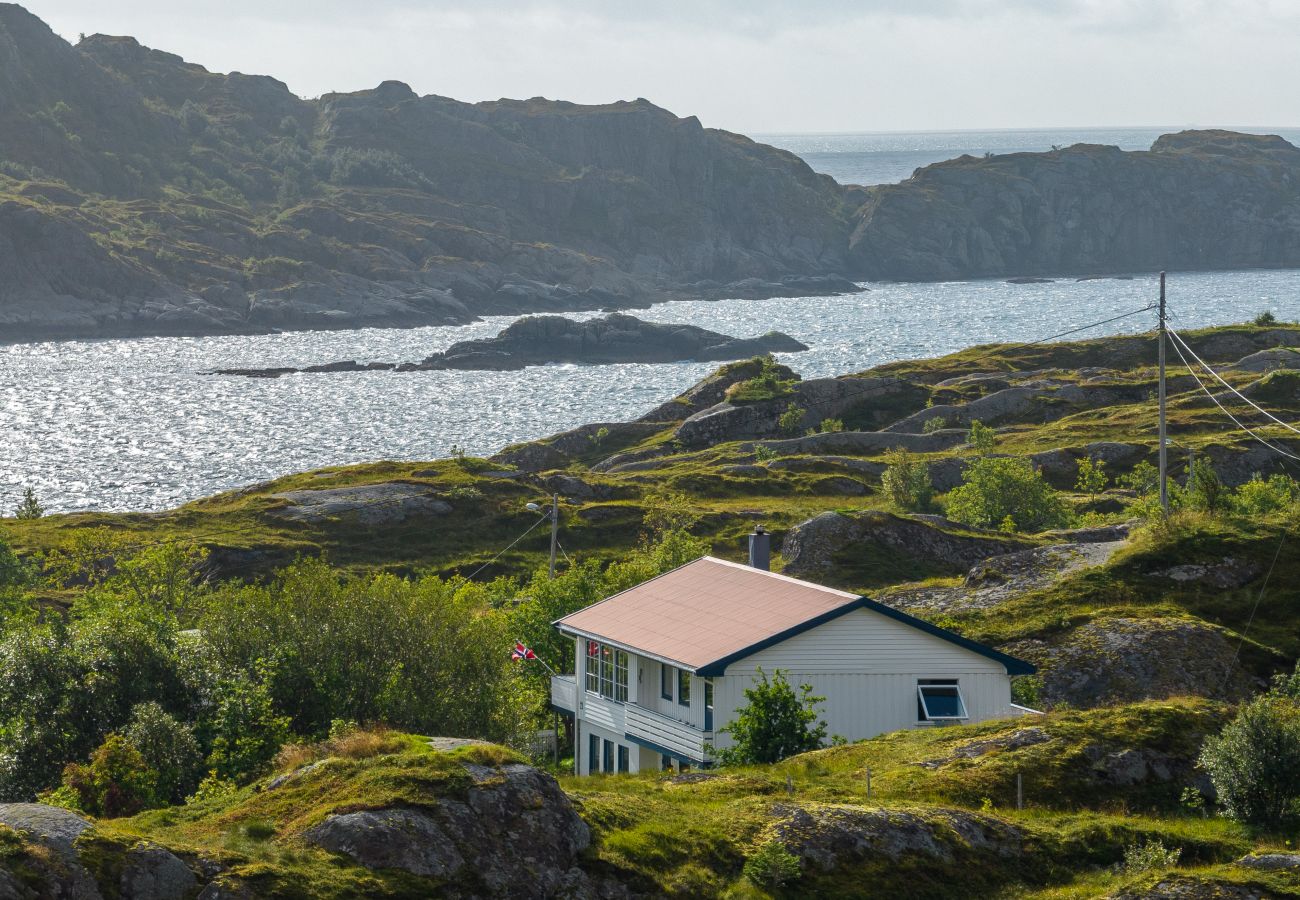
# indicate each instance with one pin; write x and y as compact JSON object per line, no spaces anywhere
{"x":1186,"y":887}
{"x":514,"y":831}
{"x":712,"y":390}
{"x":811,"y":547}
{"x":151,"y":872}
{"x":1268,"y":360}
{"x":1225,"y":574}
{"x":1271,"y":862}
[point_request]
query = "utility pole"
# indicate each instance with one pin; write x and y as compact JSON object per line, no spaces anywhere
{"x":555,"y":529}
{"x":1164,"y":462}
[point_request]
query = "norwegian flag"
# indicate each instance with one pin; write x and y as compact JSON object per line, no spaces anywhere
{"x":522,"y":652}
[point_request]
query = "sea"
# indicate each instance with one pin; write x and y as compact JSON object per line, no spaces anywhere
{"x":135,"y":425}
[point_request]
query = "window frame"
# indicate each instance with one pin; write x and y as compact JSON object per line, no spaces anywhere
{"x":607,"y":756}
{"x":593,"y":753}
{"x":624,"y":758}
{"x":922,"y":705}
{"x":608,"y":670}
{"x":666,"y":679}
{"x":683,"y":688}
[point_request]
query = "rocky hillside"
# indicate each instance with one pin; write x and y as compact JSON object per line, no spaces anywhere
{"x":1195,"y":200}
{"x":447,"y":818}
{"x":143,"y":194}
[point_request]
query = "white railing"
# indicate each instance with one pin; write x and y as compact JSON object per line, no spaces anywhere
{"x":662,"y":731}
{"x":564,"y":692}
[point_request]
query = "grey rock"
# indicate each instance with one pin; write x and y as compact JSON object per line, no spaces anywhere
{"x":1270,"y":862}
{"x":811,"y":547}
{"x":371,"y":504}
{"x":1268,"y":360}
{"x":1177,"y":887}
{"x":405,"y":839}
{"x":1227,"y":574}
{"x":151,"y":872}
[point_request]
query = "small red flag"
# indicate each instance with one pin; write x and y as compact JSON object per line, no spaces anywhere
{"x":522,"y":652}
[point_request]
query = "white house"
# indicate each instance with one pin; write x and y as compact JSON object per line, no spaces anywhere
{"x":663,"y":666}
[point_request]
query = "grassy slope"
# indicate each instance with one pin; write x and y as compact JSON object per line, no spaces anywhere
{"x":691,"y":838}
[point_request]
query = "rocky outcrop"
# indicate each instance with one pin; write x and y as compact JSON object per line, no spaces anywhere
{"x":516,"y":832}
{"x":812,"y":547}
{"x":1195,"y":200}
{"x":1119,"y":660}
{"x":370,"y":504}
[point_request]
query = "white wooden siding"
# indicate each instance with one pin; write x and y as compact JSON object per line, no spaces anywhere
{"x":864,"y":641}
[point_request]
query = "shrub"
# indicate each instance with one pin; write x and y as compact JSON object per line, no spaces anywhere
{"x":772,"y":381}
{"x":1261,"y":496}
{"x":1205,"y":490}
{"x":1142,"y":479}
{"x":771,"y":865}
{"x":789,"y":421}
{"x":213,"y":788}
{"x":938,"y":423}
{"x":831,"y":426}
{"x":246,"y":731}
{"x":999,"y":491}
{"x":1266,"y":319}
{"x":764,"y":453}
{"x":774,"y":723}
{"x":168,"y":747}
{"x":1255,"y":762}
{"x":1153,"y":854}
{"x":1092,"y":476}
{"x":117,"y":781}
{"x":981,"y":437}
{"x":906,"y":480}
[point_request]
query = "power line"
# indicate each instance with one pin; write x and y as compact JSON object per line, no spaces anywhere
{"x":1224,"y":410}
{"x":508,"y":547}
{"x":1221,"y":381}
{"x":1250,"y":620}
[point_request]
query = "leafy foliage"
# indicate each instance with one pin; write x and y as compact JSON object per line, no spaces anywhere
{"x":774,"y":723}
{"x":1255,"y":762}
{"x":771,"y":865}
{"x":906,"y":480}
{"x":997,"y":491}
{"x":1092,"y":479}
{"x":1205,"y":489}
{"x":788,"y":422}
{"x":936,"y":423}
{"x":168,"y":747}
{"x":1148,"y":855}
{"x":29,"y":507}
{"x":116,"y":782}
{"x":982,"y":439}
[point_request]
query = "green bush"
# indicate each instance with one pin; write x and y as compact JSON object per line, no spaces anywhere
{"x":981,"y":438}
{"x":1261,"y":496}
{"x":30,"y":507}
{"x":774,"y":723}
{"x":831,"y":426}
{"x":770,"y":383}
{"x":1000,"y":492}
{"x":246,"y":731}
{"x":1266,"y":319}
{"x":117,"y":781}
{"x":771,"y":865}
{"x":1152,"y":854}
{"x":168,"y":746}
{"x":938,"y":423}
{"x":789,"y":421}
{"x":1142,"y":479}
{"x":1255,"y":762}
{"x":906,"y":481}
{"x":1205,"y":490}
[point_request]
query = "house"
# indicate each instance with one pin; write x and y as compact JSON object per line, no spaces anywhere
{"x":663,"y":666}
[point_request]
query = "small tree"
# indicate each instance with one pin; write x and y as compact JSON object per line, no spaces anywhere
{"x":997,"y":492}
{"x":982,"y":438}
{"x":774,"y":723}
{"x":246,"y":732}
{"x":936,"y":423}
{"x":1266,"y":319}
{"x":771,"y":865}
{"x":906,"y":480}
{"x":116,"y":782}
{"x":29,"y":507}
{"x":168,"y":747}
{"x":1255,"y":762}
{"x":1205,"y":490}
{"x":1142,"y":479}
{"x":1092,"y":476}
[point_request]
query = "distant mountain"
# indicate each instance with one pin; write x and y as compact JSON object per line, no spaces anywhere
{"x":141,"y":194}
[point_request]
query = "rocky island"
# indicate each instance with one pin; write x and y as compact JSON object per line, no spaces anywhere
{"x":543,"y":340}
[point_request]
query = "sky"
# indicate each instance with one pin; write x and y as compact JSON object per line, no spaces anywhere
{"x":763,"y":66}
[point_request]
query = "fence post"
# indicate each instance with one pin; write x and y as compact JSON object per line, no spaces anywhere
{"x":1020,"y":791}
{"x":789,"y":786}
{"x":868,"y":784}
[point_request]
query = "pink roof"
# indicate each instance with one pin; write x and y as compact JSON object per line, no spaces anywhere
{"x":706,"y":611}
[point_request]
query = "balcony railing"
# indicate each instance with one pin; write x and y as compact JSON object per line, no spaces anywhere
{"x":564,"y":692}
{"x":678,"y":738}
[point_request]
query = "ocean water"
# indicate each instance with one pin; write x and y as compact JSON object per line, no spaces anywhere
{"x":133,"y":425}
{"x":888,"y":157}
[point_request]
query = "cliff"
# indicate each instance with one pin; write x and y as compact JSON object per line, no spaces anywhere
{"x":1195,"y":200}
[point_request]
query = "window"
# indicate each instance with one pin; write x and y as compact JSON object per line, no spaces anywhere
{"x":665,"y":763}
{"x":607,"y":671}
{"x":593,"y":754}
{"x":623,"y":759}
{"x":939,"y":700}
{"x":607,"y":758}
{"x":666,"y":681}
{"x":683,"y":687}
{"x":708,"y":704}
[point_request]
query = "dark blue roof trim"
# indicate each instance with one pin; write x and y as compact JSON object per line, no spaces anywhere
{"x":1014,"y":666}
{"x":651,"y":745}
{"x":555,"y":707}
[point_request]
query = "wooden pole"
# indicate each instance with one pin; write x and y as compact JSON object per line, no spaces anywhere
{"x":789,"y":786}
{"x":1164,"y":460}
{"x":868,"y":784}
{"x":1020,"y":791}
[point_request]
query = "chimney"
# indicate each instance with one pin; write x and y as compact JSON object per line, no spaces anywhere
{"x":760,"y":549}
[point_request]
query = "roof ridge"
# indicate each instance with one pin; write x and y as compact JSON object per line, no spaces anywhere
{"x":782,"y":577}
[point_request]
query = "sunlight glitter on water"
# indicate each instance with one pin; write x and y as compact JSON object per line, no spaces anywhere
{"x":132,"y":425}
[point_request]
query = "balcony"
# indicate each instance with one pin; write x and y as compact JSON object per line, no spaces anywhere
{"x":665,"y":733}
{"x":564,"y":692}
